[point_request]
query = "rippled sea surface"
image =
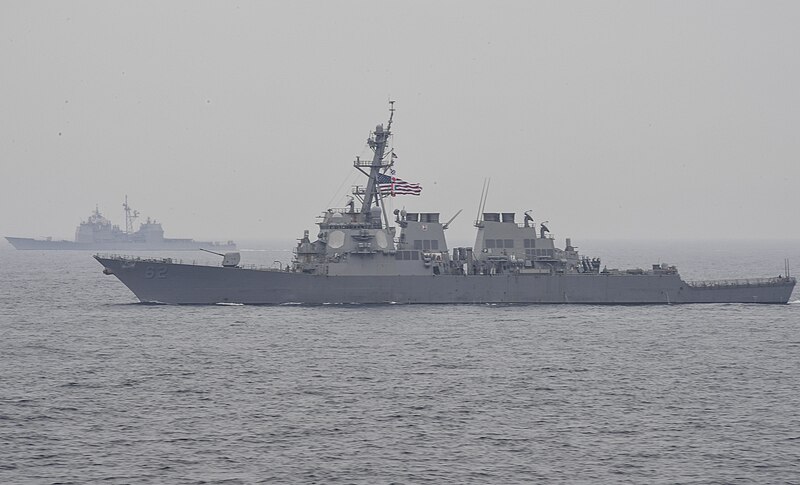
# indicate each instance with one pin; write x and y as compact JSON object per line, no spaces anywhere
{"x":95,"y":387}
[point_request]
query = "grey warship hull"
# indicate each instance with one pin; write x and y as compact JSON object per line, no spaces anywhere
{"x":360,"y":257}
{"x":26,"y":243}
{"x":162,"y":281}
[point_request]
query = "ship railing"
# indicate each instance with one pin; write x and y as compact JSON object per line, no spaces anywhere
{"x":192,"y":262}
{"x":258,"y":267}
{"x":779,"y":280}
{"x":340,"y":210}
{"x":139,"y":259}
{"x":368,"y":164}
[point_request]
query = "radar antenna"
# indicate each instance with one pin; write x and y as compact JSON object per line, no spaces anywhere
{"x":543,"y":229}
{"x":391,"y":116}
{"x":529,"y":218}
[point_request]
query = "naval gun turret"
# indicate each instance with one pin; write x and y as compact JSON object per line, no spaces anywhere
{"x":229,"y":260}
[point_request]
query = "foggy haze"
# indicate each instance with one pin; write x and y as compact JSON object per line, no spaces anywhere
{"x":239,"y":120}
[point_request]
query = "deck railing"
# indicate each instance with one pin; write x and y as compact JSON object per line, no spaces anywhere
{"x":192,"y":262}
{"x":777,"y":281}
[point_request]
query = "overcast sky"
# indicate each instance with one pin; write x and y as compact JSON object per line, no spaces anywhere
{"x":241,"y":120}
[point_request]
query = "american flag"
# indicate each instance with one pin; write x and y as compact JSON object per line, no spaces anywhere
{"x":391,"y":185}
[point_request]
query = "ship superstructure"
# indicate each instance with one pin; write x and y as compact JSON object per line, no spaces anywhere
{"x":360,"y":256}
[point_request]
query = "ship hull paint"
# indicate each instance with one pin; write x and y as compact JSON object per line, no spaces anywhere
{"x":25,"y":243}
{"x":162,"y":282}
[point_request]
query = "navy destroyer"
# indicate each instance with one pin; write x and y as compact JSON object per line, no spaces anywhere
{"x":97,"y":233}
{"x":366,"y":255}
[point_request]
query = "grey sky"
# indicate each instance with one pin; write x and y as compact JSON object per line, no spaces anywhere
{"x":240,"y":120}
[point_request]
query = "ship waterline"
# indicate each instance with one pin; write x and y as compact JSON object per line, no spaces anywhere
{"x":162,"y":281}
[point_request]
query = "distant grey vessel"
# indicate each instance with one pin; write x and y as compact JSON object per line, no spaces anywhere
{"x":97,"y":233}
{"x":359,"y":257}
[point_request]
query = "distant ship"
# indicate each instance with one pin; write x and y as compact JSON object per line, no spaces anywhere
{"x":98,"y":234}
{"x":359,"y":256}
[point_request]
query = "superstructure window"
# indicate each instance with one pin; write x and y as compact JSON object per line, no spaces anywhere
{"x":499,"y":243}
{"x":426,"y":244}
{"x":407,"y":256}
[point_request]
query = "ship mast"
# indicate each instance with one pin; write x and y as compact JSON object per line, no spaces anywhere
{"x":129,"y":217}
{"x":377,"y":141}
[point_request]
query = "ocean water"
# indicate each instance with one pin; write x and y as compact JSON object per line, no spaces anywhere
{"x":95,"y":387}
